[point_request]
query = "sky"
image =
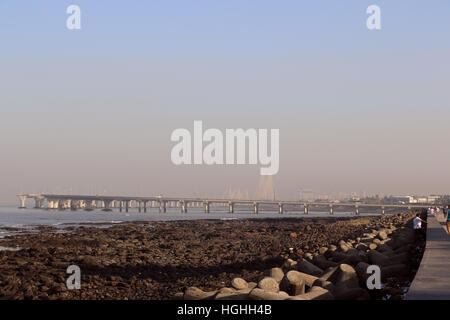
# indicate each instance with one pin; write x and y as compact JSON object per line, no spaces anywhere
{"x":91,"y":111}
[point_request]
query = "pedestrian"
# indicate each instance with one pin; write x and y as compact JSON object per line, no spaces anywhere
{"x":417,"y":224}
{"x":448,"y":219}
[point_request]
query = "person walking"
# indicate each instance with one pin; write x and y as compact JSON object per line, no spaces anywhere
{"x":448,"y":219}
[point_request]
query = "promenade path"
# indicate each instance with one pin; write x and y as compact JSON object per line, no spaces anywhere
{"x":432,"y":281}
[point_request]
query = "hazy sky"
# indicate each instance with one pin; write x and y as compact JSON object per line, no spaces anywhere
{"x":92,"y":110}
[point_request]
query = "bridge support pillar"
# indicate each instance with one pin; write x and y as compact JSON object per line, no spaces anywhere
{"x":255,"y":207}
{"x":184,"y":206}
{"x":331,"y":209}
{"x":88,"y":204}
{"x":162,"y":206}
{"x":280,"y":208}
{"x":107,"y":205}
{"x":357,"y":210}
{"x":120,"y":205}
{"x":206,"y":207}
{"x":230,"y":207}
{"x":306,"y":208}
{"x":38,"y":203}
{"x":22,"y":202}
{"x":145,"y":206}
{"x":139,"y":205}
{"x":127,"y":205}
{"x":383,"y":211}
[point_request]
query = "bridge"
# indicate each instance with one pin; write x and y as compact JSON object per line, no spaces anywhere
{"x":107,"y":203}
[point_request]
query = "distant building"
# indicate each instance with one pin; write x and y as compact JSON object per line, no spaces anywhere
{"x":418,"y":199}
{"x":405,"y":199}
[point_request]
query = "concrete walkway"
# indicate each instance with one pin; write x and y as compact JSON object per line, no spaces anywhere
{"x":432,"y":281}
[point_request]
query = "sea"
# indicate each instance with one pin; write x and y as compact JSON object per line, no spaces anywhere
{"x":14,"y":220}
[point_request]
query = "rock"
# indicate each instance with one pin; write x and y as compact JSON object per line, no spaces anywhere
{"x":361,"y":270}
{"x":396,"y":270}
{"x":322,"y":250}
{"x":232,"y":296}
{"x":276,"y":273}
{"x":293,"y":283}
{"x":336,"y":256}
{"x":323,"y":263}
{"x":316,"y":293}
{"x":382,"y":235}
{"x":324,"y":284}
{"x":308,"y":256}
{"x":252,"y":285}
{"x":347,"y":277}
{"x":260,"y":294}
{"x":239,"y":283}
{"x":307,"y":267}
{"x":344,"y":247}
{"x":289,"y":264}
{"x":227,"y":290}
{"x":384,"y":248}
{"x":332,"y":247}
{"x":372,"y":246}
{"x":378,"y":258}
{"x":352,"y":251}
{"x":194,"y":293}
{"x":269,"y":284}
{"x":329,"y":274}
{"x":179,"y":296}
{"x":354,"y":259}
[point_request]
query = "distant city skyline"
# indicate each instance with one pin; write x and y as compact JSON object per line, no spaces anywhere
{"x":91,"y":111}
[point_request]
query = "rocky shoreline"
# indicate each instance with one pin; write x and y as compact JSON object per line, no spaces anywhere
{"x":286,"y":258}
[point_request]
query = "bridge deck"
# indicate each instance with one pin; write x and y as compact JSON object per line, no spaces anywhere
{"x":432,"y":281}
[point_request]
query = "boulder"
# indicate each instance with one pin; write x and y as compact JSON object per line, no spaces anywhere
{"x":260,"y":294}
{"x":227,"y":290}
{"x":239,"y":283}
{"x":269,"y":284}
{"x":276,"y":273}
{"x":289,"y":264}
{"x":323,"y":263}
{"x":232,"y":296}
{"x":194,"y":293}
{"x":396,"y":270}
{"x":379,"y":259}
{"x":336,"y":256}
{"x":293,"y":283}
{"x":308,"y":267}
{"x":324,"y":284}
{"x":382,"y":235}
{"x":361,"y":270}
{"x":316,"y":293}
{"x":347,"y":276}
{"x":252,"y":285}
